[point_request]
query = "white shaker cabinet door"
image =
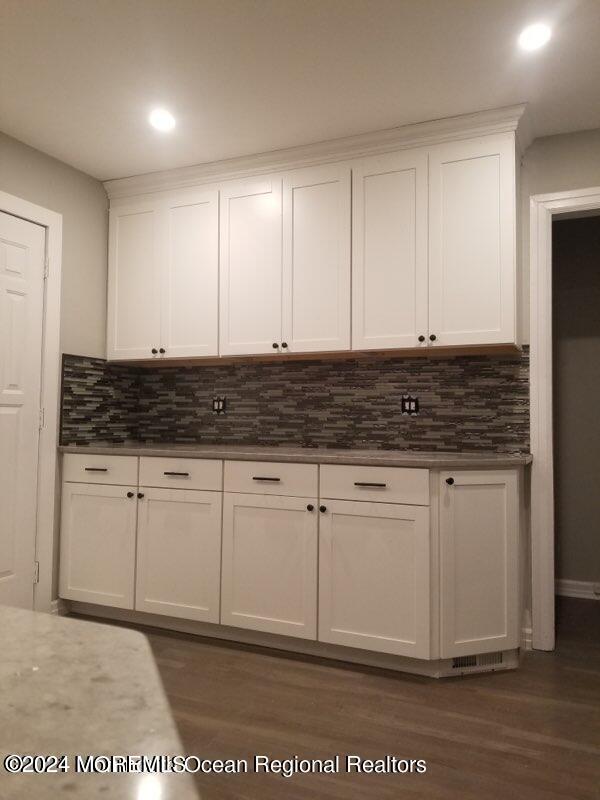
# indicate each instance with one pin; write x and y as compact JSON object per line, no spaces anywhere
{"x":316,"y":259}
{"x":479,"y":592}
{"x":251,"y":264}
{"x":190,"y":289}
{"x":134,"y":280}
{"x":98,"y":529}
{"x":389,"y":251}
{"x":269,"y":572}
{"x":179,"y":553}
{"x":472,"y":247}
{"x":374,"y":577}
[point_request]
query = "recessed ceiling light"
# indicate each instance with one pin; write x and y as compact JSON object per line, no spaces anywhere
{"x":162,"y":120}
{"x":535,"y":36}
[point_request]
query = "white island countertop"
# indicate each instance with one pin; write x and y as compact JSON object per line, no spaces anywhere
{"x":72,"y":687}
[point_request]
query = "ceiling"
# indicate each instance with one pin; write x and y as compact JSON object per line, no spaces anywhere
{"x":79,"y":77}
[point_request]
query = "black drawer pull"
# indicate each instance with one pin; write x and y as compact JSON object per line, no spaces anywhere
{"x":272,"y":480}
{"x":96,"y":469}
{"x":371,"y":485}
{"x":177,"y":474}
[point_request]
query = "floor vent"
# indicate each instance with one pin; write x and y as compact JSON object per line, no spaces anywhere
{"x":485,"y":660}
{"x":464,"y":661}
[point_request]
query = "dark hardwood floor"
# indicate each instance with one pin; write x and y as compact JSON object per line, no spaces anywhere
{"x":533,"y":734}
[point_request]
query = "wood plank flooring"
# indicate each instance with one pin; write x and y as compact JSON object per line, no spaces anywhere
{"x":533,"y":733}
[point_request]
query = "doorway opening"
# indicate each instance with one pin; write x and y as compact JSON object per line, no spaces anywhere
{"x":576,"y":422}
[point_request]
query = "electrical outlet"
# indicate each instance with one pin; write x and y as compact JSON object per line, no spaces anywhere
{"x":409,"y":405}
{"x":219,"y":405}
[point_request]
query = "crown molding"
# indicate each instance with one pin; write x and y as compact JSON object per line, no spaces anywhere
{"x":481,"y":123}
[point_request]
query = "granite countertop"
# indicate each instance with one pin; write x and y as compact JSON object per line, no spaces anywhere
{"x":72,"y":687}
{"x":309,"y":455}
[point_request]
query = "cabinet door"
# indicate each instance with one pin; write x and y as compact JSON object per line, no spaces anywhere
{"x":269,"y":570}
{"x":133,"y":328}
{"x":190,"y":296}
{"x":472,"y":250}
{"x":316,"y":259}
{"x":389,"y":251}
{"x":250,"y":297}
{"x":479,"y":593}
{"x":374,"y":577}
{"x":97,"y":540}
{"x":179,"y":553}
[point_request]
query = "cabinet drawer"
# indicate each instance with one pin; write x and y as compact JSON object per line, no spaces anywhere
{"x":181,"y":473}
{"x":375,"y":484}
{"x":268,"y":477}
{"x":116,"y":470}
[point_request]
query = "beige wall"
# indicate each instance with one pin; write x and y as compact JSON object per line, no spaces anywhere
{"x":82,"y":201}
{"x":576,"y":320}
{"x":554,"y":164}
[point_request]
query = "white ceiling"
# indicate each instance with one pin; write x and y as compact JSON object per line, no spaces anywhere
{"x":78,"y":77}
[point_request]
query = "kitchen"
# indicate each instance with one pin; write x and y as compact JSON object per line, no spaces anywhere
{"x":293,"y":437}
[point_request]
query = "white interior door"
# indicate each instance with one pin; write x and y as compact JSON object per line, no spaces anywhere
{"x":133,"y":329}
{"x":374,"y":577}
{"x":179,"y":553}
{"x":269,"y":572}
{"x":190,"y":292}
{"x":472,"y":247}
{"x":389,"y":251}
{"x":250,"y":276}
{"x":479,"y":561}
{"x":22,"y":251}
{"x":316,"y":259}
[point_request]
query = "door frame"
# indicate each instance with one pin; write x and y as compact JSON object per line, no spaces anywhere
{"x":47,"y":504}
{"x":543,"y":208}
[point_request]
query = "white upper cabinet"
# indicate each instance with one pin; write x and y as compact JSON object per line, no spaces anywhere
{"x":190,"y":291}
{"x":163,"y":277}
{"x":251,"y":265}
{"x":389,"y":251}
{"x":472,"y":250}
{"x":316,"y":259}
{"x":134,"y":280}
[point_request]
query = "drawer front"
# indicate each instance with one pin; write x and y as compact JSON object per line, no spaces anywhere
{"x":181,"y":473}
{"x":116,"y":470}
{"x":269,"y":477}
{"x":375,"y":484}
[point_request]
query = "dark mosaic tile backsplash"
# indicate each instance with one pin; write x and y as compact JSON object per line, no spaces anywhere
{"x":467,"y":403}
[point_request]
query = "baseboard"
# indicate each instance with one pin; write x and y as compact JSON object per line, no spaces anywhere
{"x":527,"y":639}
{"x":585,"y":590}
{"x":59,"y":607}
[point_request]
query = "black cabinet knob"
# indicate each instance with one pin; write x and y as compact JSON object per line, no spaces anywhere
{"x":162,"y":351}
{"x":432,"y":337}
{"x":322,"y":509}
{"x":154,"y":351}
{"x":284,"y":345}
{"x":275,"y":346}
{"x":310,"y":507}
{"x":450,"y":481}
{"x":140,"y":495}
{"x":421,"y":338}
{"x":129,"y":494}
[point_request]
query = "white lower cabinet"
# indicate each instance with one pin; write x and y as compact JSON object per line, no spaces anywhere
{"x":269,"y":566}
{"x":374,"y":585}
{"x":479,"y":527}
{"x":179,"y":553}
{"x":98,"y":544}
{"x":350,"y":571}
